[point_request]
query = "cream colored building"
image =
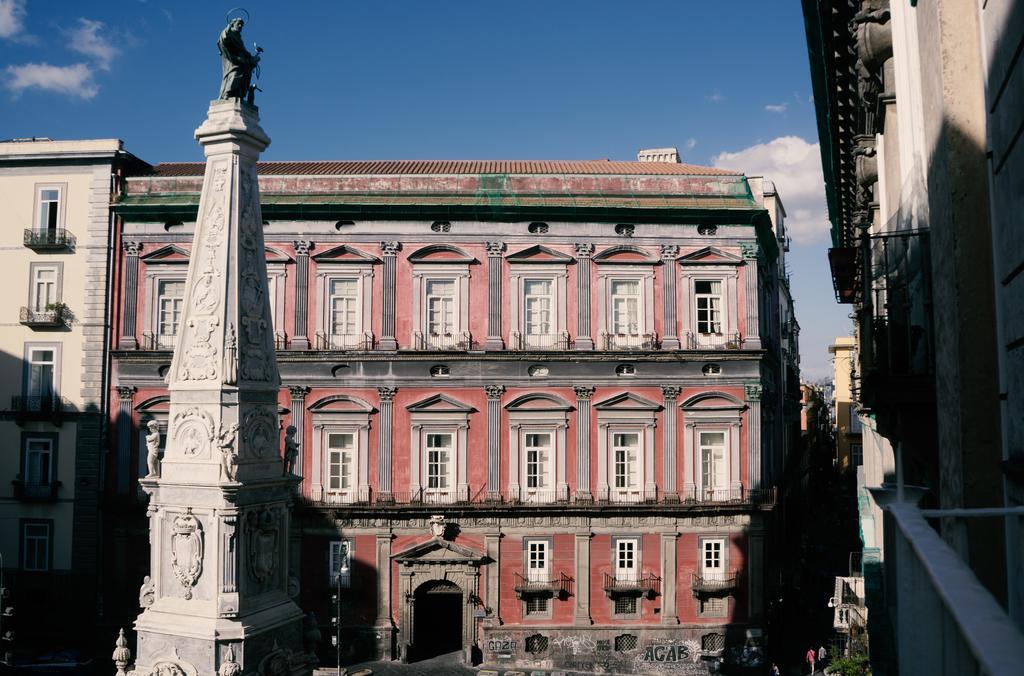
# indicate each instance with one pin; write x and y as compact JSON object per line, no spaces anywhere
{"x":849,"y":447}
{"x":54,"y":259}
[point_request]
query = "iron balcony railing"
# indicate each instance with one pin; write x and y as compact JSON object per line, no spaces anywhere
{"x":629,"y":341}
{"x":56,"y":238}
{"x":48,"y":408}
{"x":897,"y":333}
{"x":357,"y":342}
{"x":712,"y":583}
{"x":533,"y":341}
{"x":542,"y":584}
{"x":535,"y":495}
{"x":28,"y":491}
{"x":50,"y":318}
{"x":280,"y":341}
{"x":713,"y":341}
{"x":156,"y":341}
{"x":648,"y":583}
{"x":460,"y":340}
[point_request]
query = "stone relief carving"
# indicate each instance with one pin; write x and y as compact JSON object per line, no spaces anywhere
{"x":263,"y":536}
{"x":231,"y":356}
{"x":291,"y":450}
{"x":187,"y":551}
{"x":147,"y":593}
{"x":192,"y":432}
{"x":228,"y":452}
{"x":153,"y":449}
{"x":260,"y":435}
{"x":437,"y":525}
{"x":228,"y":666}
{"x":200,"y":362}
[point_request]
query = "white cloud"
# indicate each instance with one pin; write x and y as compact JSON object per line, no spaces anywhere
{"x":715,"y":97}
{"x":75,"y":80}
{"x":795,"y":167}
{"x":12,"y":14}
{"x":690,"y":144}
{"x":776,"y":108}
{"x":87,"y":39}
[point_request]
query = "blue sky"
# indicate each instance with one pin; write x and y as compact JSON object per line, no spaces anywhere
{"x":725,"y":82}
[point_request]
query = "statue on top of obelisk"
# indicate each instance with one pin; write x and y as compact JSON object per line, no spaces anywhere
{"x":237,"y":63}
{"x":217,"y":601}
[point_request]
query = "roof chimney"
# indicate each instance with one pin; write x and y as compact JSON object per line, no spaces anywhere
{"x":670,"y":155}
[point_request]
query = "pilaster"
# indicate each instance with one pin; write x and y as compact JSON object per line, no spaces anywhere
{"x":300,"y":336}
{"x":387,"y":412}
{"x":689,"y":478}
{"x":125,"y":395}
{"x":584,"y":337}
{"x":753,"y":396}
{"x":670,"y":578}
{"x":298,"y":395}
{"x":495,"y":259}
{"x":389,"y":251}
{"x":669,"y":443}
{"x":581,"y":609}
{"x":492,"y":547}
{"x":670,"y":298}
{"x":128,"y":339}
{"x":583,"y":397}
{"x":752,"y":339}
{"x":494,"y":393}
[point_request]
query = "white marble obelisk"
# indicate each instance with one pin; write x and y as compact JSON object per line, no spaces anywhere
{"x":219,"y":509}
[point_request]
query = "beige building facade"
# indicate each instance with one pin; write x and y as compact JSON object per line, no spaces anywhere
{"x":54,"y":257}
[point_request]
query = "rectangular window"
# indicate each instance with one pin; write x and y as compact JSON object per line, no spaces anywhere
{"x":49,"y":210}
{"x":626,"y":566}
{"x":340,"y":461}
{"x":38,"y":462}
{"x":170,"y":295}
{"x":441,"y":307}
{"x":625,"y":307}
{"x":714,"y":475}
{"x":45,"y":286}
{"x":712,"y":565}
{"x":625,"y":456}
{"x":625,"y":605}
{"x":537,"y":605}
{"x":709,"y":306}
{"x":35,"y":547}
{"x":339,"y":566}
{"x":857,"y":454}
{"x":344,"y":302}
{"x":537,"y":560}
{"x":537,"y":303}
{"x":537,"y":447}
{"x":439,"y":456}
{"x":41,"y":369}
{"x":714,"y":606}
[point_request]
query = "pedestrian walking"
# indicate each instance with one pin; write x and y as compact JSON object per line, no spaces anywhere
{"x":775,"y":670}
{"x":822,"y":655}
{"x":811,"y":656}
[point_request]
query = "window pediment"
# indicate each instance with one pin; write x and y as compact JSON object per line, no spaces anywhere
{"x":627,"y":401}
{"x":341,"y":403}
{"x":627,"y":255}
{"x":439,"y":403}
{"x":158,"y":404}
{"x":276,"y":255}
{"x":172,"y":253}
{"x":441,"y":253}
{"x":540,"y":254}
{"x":537,"y":401}
{"x":438,"y":550}
{"x":709,"y":255}
{"x":712,"y":401}
{"x":345,"y":254}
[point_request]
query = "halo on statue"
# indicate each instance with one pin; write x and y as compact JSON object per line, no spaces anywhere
{"x":236,"y":13}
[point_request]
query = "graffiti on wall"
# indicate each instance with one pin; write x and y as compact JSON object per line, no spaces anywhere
{"x":578,"y":644}
{"x":676,"y":657}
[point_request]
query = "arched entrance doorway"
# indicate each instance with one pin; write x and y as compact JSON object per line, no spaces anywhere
{"x":437,"y":616}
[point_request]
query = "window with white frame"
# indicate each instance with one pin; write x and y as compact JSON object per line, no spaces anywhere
{"x":439,"y":462}
{"x":38,"y":461}
{"x":170,"y":296}
{"x":537,"y":561}
{"x":49,"y":209}
{"x":339,"y":567}
{"x":626,"y":559}
{"x":708,"y":299}
{"x":41,"y":382}
{"x":341,"y":463}
{"x":712,"y":560}
{"x":345,"y":314}
{"x":537,"y":456}
{"x":714,"y":470}
{"x":626,"y":460}
{"x":344,"y":302}
{"x":441,"y":317}
{"x":35,"y":546}
{"x":626,"y":307}
{"x":538,"y":302}
{"x":45,"y":287}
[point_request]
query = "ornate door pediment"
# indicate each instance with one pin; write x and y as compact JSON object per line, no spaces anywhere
{"x":438,"y":550}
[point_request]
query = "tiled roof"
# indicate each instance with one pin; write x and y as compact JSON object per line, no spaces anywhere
{"x":450,"y":167}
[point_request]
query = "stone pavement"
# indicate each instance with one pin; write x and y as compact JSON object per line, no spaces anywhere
{"x":437,"y":666}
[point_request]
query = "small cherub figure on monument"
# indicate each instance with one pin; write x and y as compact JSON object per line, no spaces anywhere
{"x":228,"y":456}
{"x":291,"y":450}
{"x":237,"y":63}
{"x":153,"y":449}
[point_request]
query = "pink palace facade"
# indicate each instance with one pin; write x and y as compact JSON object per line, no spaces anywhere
{"x":539,"y":406}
